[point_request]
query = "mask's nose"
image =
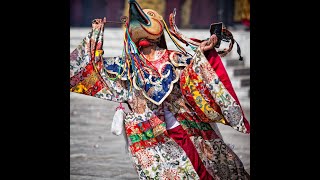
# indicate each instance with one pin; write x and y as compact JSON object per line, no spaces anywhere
{"x":136,"y":13}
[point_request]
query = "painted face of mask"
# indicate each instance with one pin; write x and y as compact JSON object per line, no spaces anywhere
{"x":145,"y":24}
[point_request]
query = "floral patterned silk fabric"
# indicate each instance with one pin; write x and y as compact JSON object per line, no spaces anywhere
{"x":192,"y":92}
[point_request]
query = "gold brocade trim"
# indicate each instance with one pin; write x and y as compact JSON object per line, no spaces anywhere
{"x":79,"y":88}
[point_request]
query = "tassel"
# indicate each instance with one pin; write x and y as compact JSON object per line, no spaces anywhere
{"x":118,"y":121}
{"x":239,"y":51}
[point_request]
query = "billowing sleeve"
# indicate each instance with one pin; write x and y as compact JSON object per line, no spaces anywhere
{"x":91,"y":74}
{"x":206,"y":86}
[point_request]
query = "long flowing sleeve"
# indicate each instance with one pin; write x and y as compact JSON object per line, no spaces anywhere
{"x":207,"y":87}
{"x":90,"y":72}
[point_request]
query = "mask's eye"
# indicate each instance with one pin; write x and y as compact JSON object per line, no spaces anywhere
{"x":150,"y":13}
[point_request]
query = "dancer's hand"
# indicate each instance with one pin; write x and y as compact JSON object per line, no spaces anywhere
{"x":96,"y":23}
{"x":209,"y":44}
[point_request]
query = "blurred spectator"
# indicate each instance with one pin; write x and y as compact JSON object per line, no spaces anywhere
{"x":242,"y":12}
{"x":190,"y":13}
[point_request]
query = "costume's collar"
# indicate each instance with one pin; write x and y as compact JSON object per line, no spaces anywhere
{"x":154,"y":87}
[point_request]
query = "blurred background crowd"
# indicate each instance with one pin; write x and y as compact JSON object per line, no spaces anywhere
{"x":191,"y":14}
